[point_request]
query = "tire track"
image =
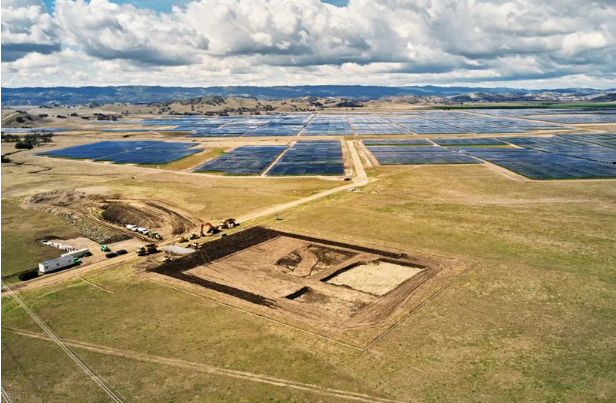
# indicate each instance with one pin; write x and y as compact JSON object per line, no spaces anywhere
{"x":52,"y":337}
{"x":243,"y":375}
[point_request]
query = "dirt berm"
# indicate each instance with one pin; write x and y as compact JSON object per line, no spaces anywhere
{"x":57,"y":203}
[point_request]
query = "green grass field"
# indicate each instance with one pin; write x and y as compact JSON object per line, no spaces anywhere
{"x":533,"y":321}
{"x":22,"y":231}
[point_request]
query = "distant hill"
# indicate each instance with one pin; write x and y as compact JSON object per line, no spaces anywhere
{"x":150,"y":94}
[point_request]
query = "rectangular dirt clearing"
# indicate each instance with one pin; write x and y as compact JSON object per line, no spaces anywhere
{"x":347,"y":292}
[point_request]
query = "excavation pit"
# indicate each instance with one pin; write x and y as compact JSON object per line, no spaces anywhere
{"x":377,"y":277}
{"x":328,"y":286}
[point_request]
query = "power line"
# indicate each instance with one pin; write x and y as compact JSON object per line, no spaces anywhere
{"x":63,"y":346}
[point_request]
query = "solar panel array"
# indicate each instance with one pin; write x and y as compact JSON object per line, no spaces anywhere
{"x":396,"y":142}
{"x":409,"y":155}
{"x":568,"y":156}
{"x":245,"y":160}
{"x":28,"y":130}
{"x":581,"y":119}
{"x":478,"y":124}
{"x":602,"y":139}
{"x":310,"y":158}
{"x":371,"y":123}
{"x":466,"y":142}
{"x":540,"y":165}
{"x":275,"y":130}
{"x":571,"y":146}
{"x":336,"y":125}
{"x":128,"y":152}
{"x":228,"y":130}
{"x":422,"y":126}
{"x":374,"y":128}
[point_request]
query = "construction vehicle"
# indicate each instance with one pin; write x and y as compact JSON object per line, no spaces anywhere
{"x":229,"y":223}
{"x":194,"y":236}
{"x":167,"y":258}
{"x":146,"y":249}
{"x":210,"y":229}
{"x":195,"y":245}
{"x":183,"y":239}
{"x":105,"y":248}
{"x":156,"y":235}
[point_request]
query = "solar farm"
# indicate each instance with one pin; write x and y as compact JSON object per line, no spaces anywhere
{"x":446,"y":137}
{"x":366,"y":245}
{"x":310,"y":158}
{"x":418,"y":155}
{"x":245,"y":160}
{"x":574,"y":156}
{"x":128,"y":152}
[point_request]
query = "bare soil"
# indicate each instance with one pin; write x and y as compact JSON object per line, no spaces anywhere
{"x":104,"y":219}
{"x":376,"y":277}
{"x":288,"y":277}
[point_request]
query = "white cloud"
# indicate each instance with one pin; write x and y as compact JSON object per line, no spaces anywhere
{"x":27,"y":28}
{"x":268,"y":42}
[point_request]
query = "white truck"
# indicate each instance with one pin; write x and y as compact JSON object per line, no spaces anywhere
{"x":131,"y":227}
{"x":78,"y":253}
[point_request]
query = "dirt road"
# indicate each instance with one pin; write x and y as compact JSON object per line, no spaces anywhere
{"x":360,"y":179}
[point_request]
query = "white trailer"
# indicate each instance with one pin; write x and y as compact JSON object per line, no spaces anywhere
{"x":78,"y":253}
{"x":56,"y":264}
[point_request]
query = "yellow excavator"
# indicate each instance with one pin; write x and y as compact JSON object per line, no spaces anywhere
{"x":156,"y":235}
{"x":194,"y":236}
{"x":183,"y":239}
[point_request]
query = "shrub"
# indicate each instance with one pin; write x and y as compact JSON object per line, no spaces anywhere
{"x":24,"y":146}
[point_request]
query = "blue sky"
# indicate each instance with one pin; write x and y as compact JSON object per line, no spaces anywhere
{"x":166,"y":5}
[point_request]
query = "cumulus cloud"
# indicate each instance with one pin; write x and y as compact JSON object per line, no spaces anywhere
{"x":27,"y":28}
{"x":210,"y":42}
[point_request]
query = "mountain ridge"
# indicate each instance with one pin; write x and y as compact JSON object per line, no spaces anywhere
{"x":150,"y":94}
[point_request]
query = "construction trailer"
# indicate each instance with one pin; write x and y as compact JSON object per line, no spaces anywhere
{"x":78,"y":253}
{"x":56,"y":264}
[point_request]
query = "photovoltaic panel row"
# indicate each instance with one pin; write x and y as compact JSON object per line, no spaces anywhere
{"x":149,"y":156}
{"x":374,"y":129}
{"x":540,"y":165}
{"x":547,"y":111}
{"x":245,"y":160}
{"x":571,"y":146}
{"x":479,"y":124}
{"x":602,"y":139}
{"x":228,"y":130}
{"x":368,"y":120}
{"x":418,"y":155}
{"x":135,"y":152}
{"x":310,"y":158}
{"x":275,"y":130}
{"x":326,"y":128}
{"x":556,"y":144}
{"x":467,"y":142}
{"x":423,"y":126}
{"x":581,"y":119}
{"x":392,"y":142}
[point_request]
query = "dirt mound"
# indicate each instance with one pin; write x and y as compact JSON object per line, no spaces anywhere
{"x":312,"y":259}
{"x":58,"y":198}
{"x":146,"y":214}
{"x":124,"y":214}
